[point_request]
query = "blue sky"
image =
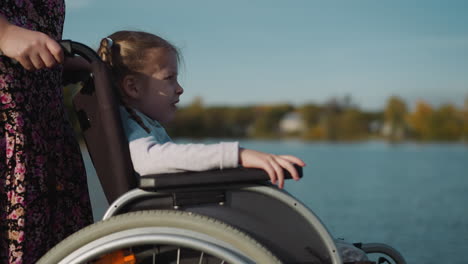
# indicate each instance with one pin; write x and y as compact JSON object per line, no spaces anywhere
{"x":299,"y":51}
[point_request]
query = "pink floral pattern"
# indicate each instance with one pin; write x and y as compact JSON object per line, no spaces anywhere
{"x":43,"y":188}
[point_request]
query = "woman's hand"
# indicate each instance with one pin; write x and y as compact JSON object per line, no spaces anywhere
{"x":272,"y":164}
{"x":33,"y":50}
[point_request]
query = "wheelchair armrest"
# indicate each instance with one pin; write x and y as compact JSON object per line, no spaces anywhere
{"x":211,"y":177}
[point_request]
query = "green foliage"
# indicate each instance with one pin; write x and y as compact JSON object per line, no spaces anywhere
{"x":338,"y":120}
{"x":189,"y":122}
{"x":394,"y":119}
{"x":352,"y":125}
{"x":197,"y":121}
{"x":395,"y":111}
{"x":267,"y":119}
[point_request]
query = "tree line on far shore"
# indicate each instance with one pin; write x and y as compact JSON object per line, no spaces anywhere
{"x":336,"y":120}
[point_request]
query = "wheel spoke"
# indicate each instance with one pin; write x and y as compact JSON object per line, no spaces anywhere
{"x":178,"y":256}
{"x":201,"y":258}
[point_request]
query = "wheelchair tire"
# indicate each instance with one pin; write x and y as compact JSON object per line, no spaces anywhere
{"x":384,"y":249}
{"x":133,"y":230}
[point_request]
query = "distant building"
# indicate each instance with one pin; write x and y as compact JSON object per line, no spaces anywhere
{"x":291,"y":123}
{"x":375,"y":127}
{"x":392,"y":131}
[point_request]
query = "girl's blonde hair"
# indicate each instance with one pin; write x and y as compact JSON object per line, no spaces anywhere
{"x":125,"y":53}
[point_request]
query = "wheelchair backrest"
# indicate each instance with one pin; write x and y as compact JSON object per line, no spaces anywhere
{"x":97,"y":108}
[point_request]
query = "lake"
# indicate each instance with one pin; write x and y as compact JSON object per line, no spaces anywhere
{"x":411,"y":196}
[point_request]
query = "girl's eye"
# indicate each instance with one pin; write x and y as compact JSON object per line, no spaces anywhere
{"x":170,"y":77}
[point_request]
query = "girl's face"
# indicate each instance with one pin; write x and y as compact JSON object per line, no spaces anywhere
{"x":160,"y":90}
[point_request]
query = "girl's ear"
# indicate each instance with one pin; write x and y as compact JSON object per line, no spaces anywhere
{"x":130,"y":86}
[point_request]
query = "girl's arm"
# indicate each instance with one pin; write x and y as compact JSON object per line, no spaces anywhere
{"x":150,"y":157}
{"x":32,"y":49}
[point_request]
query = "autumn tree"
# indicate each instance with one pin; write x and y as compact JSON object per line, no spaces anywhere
{"x":447,"y":124}
{"x":311,"y":113}
{"x":329,"y":120}
{"x":394,"y":118}
{"x":464,"y":116}
{"x":420,"y":121}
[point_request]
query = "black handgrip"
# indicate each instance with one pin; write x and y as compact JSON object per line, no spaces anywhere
{"x":71,"y":48}
{"x":66,"y":47}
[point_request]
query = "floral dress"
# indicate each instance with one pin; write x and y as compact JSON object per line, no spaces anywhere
{"x":43,"y":189}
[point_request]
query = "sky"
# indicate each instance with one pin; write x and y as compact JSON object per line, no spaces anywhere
{"x":298,"y":51}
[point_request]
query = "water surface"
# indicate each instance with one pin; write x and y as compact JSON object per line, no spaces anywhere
{"x":411,"y":196}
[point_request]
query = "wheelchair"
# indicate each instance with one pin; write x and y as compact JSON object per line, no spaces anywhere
{"x":219,"y":216}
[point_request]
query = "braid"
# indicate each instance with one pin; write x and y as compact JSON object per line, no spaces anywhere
{"x":105,"y":51}
{"x":137,"y":118}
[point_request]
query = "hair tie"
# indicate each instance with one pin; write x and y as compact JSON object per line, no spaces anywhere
{"x":110,"y":43}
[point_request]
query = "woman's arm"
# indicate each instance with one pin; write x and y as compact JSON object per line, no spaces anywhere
{"x":32,"y":49}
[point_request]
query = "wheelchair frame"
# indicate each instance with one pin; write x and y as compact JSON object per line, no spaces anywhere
{"x":218,"y":194}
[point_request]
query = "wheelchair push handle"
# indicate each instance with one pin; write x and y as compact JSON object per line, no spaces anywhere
{"x":71,"y":48}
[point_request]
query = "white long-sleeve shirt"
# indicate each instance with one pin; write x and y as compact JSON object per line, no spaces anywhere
{"x":154,"y":152}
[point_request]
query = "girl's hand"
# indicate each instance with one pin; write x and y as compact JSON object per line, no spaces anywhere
{"x":33,"y":50}
{"x":272,"y":164}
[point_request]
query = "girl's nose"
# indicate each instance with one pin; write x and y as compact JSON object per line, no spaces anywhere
{"x":179,"y":90}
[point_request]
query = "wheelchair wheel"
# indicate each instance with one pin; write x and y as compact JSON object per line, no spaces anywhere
{"x":385,"y":253}
{"x":159,"y":237}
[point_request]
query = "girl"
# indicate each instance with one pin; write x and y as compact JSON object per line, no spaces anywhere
{"x":145,"y":68}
